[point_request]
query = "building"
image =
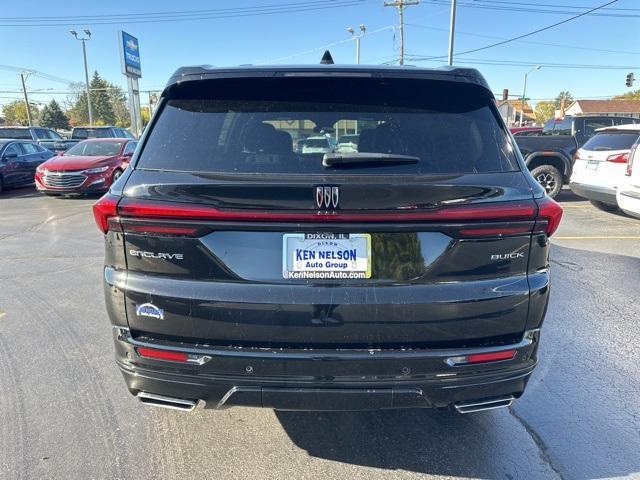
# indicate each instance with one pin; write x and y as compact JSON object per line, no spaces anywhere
{"x":510,"y":112}
{"x":622,"y":108}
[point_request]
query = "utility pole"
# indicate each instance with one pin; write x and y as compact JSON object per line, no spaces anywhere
{"x":400,"y":4}
{"x":26,"y":98}
{"x":524,"y":91}
{"x":86,"y":70}
{"x":452,"y":30}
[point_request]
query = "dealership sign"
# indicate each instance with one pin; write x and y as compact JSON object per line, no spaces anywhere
{"x":130,"y":55}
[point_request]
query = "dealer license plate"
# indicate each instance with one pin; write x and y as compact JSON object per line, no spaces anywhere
{"x":326,"y":255}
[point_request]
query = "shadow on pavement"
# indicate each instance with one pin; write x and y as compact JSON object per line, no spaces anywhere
{"x":566,"y":195}
{"x":20,"y":192}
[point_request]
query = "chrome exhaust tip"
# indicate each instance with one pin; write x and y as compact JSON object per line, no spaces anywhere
{"x":482,"y":405}
{"x":167,"y":402}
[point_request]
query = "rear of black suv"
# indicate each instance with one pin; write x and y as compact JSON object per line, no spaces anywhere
{"x":409,"y":271}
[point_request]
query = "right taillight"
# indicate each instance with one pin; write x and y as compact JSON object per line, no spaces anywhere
{"x":630,"y":162}
{"x":549,"y":216}
{"x":618,"y":158}
{"x":104,"y":210}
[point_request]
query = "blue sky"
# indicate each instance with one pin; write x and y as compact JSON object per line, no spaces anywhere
{"x":164,"y":46}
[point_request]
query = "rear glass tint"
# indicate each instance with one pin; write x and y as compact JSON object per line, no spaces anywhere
{"x":17,"y":133}
{"x":611,"y":141}
{"x":262,"y":126}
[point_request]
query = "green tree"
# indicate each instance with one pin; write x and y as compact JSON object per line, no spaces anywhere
{"x":568,"y":99}
{"x":545,"y":110}
{"x":52,"y":116}
{"x":15,"y":113}
{"x":632,"y":95}
{"x":101,"y":103}
{"x":119,"y":105}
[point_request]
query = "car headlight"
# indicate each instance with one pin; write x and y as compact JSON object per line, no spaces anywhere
{"x":96,"y":170}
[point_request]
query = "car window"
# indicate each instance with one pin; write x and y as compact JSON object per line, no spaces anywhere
{"x":94,"y":149}
{"x":592,"y":124}
{"x":29,"y":148}
{"x":253,"y":131}
{"x":18,"y":133}
{"x":130,"y":148}
{"x":41,"y":134}
{"x":12,"y":148}
{"x":558,"y":126}
{"x":611,"y":141}
{"x":54,"y":135}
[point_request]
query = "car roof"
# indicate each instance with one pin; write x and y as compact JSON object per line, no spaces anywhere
{"x":208,"y":72}
{"x":109,"y":139}
{"x":632,"y":127}
{"x":95,"y":127}
{"x":20,"y":127}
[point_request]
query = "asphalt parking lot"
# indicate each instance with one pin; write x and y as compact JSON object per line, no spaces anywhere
{"x":65,"y":412}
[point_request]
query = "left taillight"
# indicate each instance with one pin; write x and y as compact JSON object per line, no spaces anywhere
{"x":105,"y":209}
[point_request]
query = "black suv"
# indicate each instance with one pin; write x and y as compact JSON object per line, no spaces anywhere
{"x":412,"y":272}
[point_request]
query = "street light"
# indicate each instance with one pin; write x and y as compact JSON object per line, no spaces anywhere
{"x":524,"y":91}
{"x":87,"y":32}
{"x":357,"y":37}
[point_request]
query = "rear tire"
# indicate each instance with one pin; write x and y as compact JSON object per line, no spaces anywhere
{"x":116,"y":175}
{"x":605,"y":207}
{"x":1,"y":185}
{"x":550,"y":178}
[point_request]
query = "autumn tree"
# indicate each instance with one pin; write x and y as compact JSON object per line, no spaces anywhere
{"x":15,"y":113}
{"x":545,"y":110}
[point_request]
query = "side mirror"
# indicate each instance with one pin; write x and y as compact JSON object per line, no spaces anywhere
{"x":128,"y":154}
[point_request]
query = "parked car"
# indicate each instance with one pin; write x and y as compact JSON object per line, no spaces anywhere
{"x":19,"y":160}
{"x":88,"y":167}
{"x":411,"y":273}
{"x":525,"y":131}
{"x":628,"y":192}
{"x":48,"y":138}
{"x":348,"y":143}
{"x":84,"y":133}
{"x":549,"y":155}
{"x":317,"y":145}
{"x":601,"y":164}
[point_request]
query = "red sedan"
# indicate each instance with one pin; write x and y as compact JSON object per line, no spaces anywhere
{"x":90,"y":166}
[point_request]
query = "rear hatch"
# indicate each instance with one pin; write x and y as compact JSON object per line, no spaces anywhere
{"x":602,"y":161}
{"x":234,"y":235}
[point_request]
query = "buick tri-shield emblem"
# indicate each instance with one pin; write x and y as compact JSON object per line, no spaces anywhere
{"x":327,"y":197}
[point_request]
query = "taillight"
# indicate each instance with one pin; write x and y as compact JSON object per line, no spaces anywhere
{"x":576,"y":156}
{"x":482,"y":357}
{"x":549,"y":216}
{"x":104,"y":210}
{"x":618,"y":158}
{"x":157,"y":354}
{"x":630,"y":162}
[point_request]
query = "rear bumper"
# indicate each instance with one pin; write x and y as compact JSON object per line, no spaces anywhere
{"x":629,"y":201}
{"x":322,"y":379}
{"x":594,"y":192}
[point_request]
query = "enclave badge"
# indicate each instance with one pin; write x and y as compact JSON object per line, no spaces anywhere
{"x":327,"y":197}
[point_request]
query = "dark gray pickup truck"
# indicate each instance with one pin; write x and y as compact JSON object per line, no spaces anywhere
{"x":549,"y":155}
{"x":46,"y":137}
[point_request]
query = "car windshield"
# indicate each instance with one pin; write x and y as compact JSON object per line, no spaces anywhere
{"x":17,"y":133}
{"x":450,"y":128}
{"x":94,"y":149}
{"x":611,"y":140}
{"x":558,"y":126}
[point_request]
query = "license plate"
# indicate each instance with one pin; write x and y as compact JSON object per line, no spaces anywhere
{"x":326,"y":255}
{"x":592,"y":165}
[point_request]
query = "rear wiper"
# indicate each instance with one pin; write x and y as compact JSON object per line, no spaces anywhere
{"x":356,"y":158}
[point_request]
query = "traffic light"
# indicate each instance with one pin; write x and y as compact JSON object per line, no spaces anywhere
{"x":630,"y":79}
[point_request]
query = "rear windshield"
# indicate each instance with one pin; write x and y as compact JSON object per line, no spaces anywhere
{"x":611,"y":141}
{"x":91,"y":133}
{"x":17,"y":133}
{"x":288,"y":125}
{"x":558,"y":126}
{"x":94,"y":149}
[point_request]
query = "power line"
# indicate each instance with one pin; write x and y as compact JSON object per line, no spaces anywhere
{"x":591,"y":49}
{"x":182,"y":16}
{"x":514,"y":63}
{"x":524,"y":35}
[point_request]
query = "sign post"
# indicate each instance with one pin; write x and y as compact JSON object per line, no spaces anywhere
{"x":130,"y":63}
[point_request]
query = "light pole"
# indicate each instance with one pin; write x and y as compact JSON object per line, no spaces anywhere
{"x":357,"y":38}
{"x":524,"y":91}
{"x":86,"y":70}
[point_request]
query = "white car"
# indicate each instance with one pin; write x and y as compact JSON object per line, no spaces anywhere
{"x":601,"y":165}
{"x":628,"y":194}
{"x":317,"y":145}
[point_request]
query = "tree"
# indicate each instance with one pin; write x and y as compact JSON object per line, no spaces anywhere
{"x":15,"y":113}
{"x":101,"y":103}
{"x":119,"y":105}
{"x":632,"y":95}
{"x":52,"y":116}
{"x":568,"y":99}
{"x":545,"y":110}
